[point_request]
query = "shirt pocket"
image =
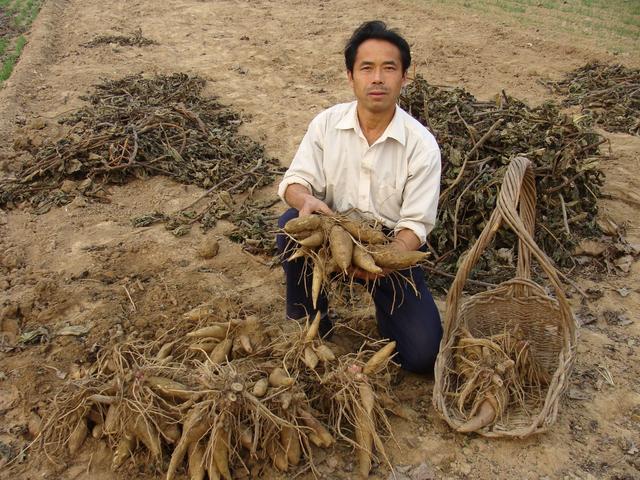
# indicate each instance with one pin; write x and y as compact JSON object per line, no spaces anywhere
{"x":388,"y":200}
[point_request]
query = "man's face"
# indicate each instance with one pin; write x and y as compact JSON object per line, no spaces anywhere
{"x":377,"y":76}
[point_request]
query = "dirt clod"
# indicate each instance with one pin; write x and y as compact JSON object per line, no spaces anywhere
{"x":209,"y":248}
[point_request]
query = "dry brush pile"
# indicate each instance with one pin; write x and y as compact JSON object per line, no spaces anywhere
{"x":136,"y":39}
{"x":226,"y":397}
{"x":336,"y":244}
{"x":136,"y":127}
{"x":253,"y":220}
{"x":478,"y":139}
{"x":607,"y":94}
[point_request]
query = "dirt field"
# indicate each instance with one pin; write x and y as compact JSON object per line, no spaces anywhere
{"x":280,"y":62}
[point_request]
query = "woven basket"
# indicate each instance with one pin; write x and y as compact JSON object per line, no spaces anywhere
{"x":518,"y":304}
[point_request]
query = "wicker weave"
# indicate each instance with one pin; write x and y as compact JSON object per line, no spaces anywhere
{"x":518,"y":304}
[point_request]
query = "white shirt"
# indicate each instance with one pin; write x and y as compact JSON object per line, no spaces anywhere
{"x":395,"y":181}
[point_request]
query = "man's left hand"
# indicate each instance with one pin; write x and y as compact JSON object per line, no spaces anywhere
{"x":357,"y":272}
{"x":406,"y":241}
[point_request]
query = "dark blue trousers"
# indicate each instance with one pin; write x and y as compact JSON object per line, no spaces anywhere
{"x":411,"y":320}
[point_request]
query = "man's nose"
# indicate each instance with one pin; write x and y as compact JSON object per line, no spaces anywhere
{"x":377,"y":75}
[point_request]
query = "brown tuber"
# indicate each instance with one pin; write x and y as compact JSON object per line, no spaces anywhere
{"x":300,"y":224}
{"x":379,"y":359}
{"x":279,"y":378}
{"x":390,"y":257}
{"x":341,"y":247}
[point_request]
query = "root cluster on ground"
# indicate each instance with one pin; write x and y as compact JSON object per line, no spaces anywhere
{"x":227,"y":397}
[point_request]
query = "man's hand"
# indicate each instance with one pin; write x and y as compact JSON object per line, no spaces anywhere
{"x":311,"y":205}
{"x":358,"y":272}
{"x":299,"y":197}
{"x":406,"y":241}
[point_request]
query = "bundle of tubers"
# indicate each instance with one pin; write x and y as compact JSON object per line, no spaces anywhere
{"x":356,"y":392}
{"x":267,"y":404}
{"x":219,"y":341}
{"x":337,"y":243}
{"x":305,"y":349}
{"x":128,"y":399}
{"x":494,"y":373}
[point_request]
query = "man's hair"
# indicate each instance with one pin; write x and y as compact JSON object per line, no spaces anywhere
{"x":377,"y":30}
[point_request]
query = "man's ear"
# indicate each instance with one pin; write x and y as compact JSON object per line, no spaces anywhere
{"x":405,"y":78}
{"x":350,"y":77}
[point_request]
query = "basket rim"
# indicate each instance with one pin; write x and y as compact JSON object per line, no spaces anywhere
{"x":519,"y":292}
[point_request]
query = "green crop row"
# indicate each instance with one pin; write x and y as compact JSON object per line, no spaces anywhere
{"x":20,"y":15}
{"x":614,"y":24}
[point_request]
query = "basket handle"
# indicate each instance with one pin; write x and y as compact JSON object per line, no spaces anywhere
{"x":523,"y":227}
{"x":518,"y":188}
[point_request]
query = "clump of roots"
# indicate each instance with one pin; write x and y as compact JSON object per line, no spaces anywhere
{"x":337,"y":245}
{"x":494,"y":374}
{"x":356,"y":395}
{"x":268,"y":401}
{"x":129,"y":398}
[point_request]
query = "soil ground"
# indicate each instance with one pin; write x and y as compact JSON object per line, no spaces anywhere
{"x":280,"y":63}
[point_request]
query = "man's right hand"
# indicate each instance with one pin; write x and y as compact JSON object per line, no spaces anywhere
{"x":312,"y":205}
{"x":299,"y":197}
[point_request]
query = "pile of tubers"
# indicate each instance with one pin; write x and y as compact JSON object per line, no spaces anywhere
{"x":226,"y":399}
{"x":337,"y":243}
{"x":494,"y":373}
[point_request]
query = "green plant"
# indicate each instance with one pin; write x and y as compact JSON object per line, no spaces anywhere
{"x":10,"y":61}
{"x":27,"y":11}
{"x":19,"y":14}
{"x":615,"y":24}
{"x":4,"y":43}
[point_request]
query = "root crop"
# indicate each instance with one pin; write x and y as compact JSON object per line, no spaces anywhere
{"x":494,"y":374}
{"x":267,"y":400}
{"x":336,"y":245}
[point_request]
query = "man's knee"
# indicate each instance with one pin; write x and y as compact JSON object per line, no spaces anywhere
{"x":418,"y":349}
{"x":418,"y":360}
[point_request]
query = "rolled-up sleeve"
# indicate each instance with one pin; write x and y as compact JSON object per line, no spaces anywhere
{"x":306,"y":167}
{"x":420,"y":195}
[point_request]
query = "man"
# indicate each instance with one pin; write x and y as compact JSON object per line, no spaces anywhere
{"x":372,"y":156}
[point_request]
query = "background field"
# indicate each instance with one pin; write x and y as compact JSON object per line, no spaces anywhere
{"x":613,"y":25}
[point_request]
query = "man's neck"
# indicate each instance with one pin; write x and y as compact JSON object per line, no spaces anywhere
{"x":373,"y":125}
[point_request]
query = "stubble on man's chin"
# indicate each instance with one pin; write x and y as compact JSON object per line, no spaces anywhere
{"x":379,"y":109}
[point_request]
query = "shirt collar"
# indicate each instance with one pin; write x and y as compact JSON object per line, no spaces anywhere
{"x":394,"y":130}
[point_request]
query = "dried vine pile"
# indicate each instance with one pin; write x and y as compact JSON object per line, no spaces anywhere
{"x":227,"y":397}
{"x":477,"y":141}
{"x":135,"y":127}
{"x":608,"y":94}
{"x":136,"y":39}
